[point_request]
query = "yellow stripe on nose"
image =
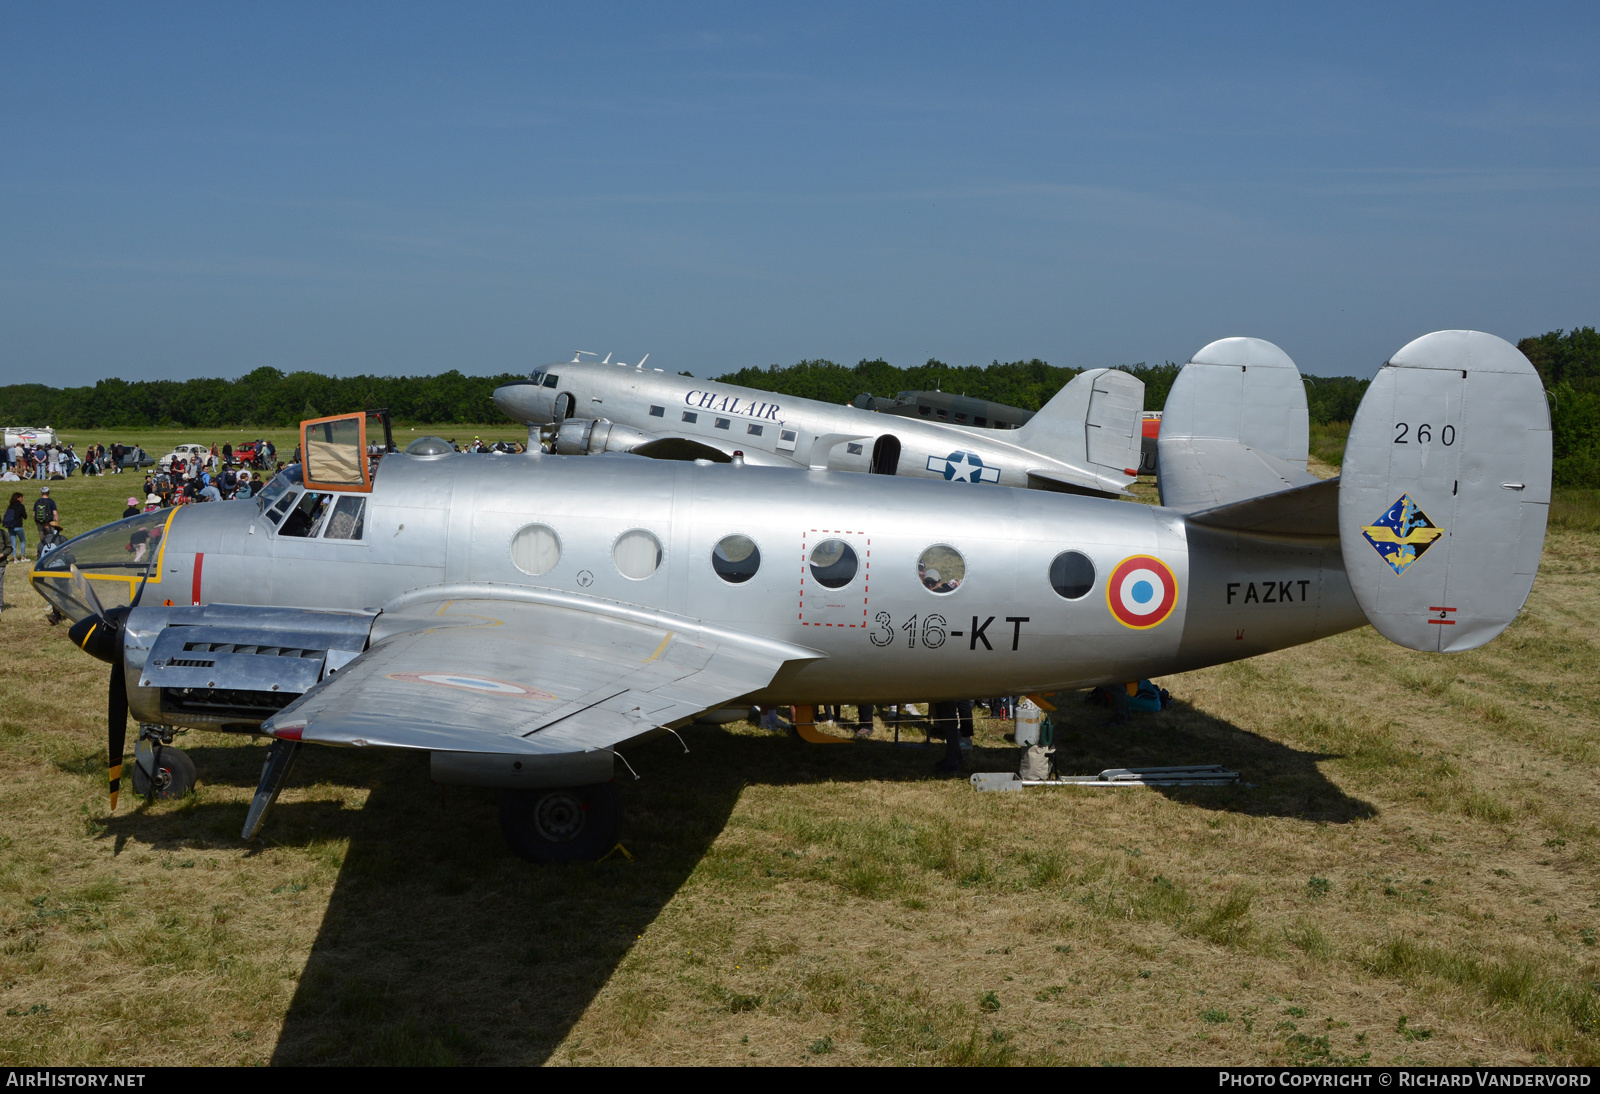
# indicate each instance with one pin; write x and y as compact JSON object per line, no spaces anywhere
{"x":85,"y":643}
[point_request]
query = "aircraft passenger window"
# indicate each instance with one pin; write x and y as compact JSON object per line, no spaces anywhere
{"x":786,"y":435}
{"x":690,"y":416}
{"x":305,"y":519}
{"x":349,"y":516}
{"x":853,"y":449}
{"x":736,"y":559}
{"x":833,"y":563}
{"x":924,"y":411}
{"x":536,"y":549}
{"x":277,"y":511}
{"x":637,"y":554}
{"x":754,"y":430}
{"x":961,"y":417}
{"x":550,"y":379}
{"x":722,"y":423}
{"x":941,"y":569}
{"x":1072,"y":575}
{"x":980,"y":420}
{"x":658,"y":412}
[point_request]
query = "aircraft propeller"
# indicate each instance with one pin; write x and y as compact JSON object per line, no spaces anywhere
{"x":101,"y":634}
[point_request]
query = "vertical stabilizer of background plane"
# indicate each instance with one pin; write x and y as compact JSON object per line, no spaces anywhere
{"x":1094,"y":423}
{"x":1445,"y":490}
{"x":1235,"y":426}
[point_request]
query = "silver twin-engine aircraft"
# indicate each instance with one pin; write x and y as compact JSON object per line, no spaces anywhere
{"x":1085,"y":440}
{"x":523,"y":617}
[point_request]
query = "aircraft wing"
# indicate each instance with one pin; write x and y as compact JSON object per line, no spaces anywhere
{"x":508,"y":676}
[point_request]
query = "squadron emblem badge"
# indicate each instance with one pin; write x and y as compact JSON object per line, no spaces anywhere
{"x":1402,"y":534}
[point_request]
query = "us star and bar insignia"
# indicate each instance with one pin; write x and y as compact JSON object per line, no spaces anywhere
{"x":1403,"y":534}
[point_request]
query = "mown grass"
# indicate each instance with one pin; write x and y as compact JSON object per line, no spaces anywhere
{"x":1408,"y":874}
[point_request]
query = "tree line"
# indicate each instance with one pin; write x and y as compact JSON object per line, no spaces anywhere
{"x":265,"y":397}
{"x":1025,"y":384}
{"x":1568,"y":362}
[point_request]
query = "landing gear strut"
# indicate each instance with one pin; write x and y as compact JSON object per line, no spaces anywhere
{"x":159,"y":770}
{"x":564,"y":824}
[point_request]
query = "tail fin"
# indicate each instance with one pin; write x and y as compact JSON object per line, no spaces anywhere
{"x":1445,"y":491}
{"x":1093,"y":423}
{"x":1235,"y":426}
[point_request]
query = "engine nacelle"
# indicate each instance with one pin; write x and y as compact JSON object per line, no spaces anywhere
{"x":591,"y":436}
{"x":225,"y":667}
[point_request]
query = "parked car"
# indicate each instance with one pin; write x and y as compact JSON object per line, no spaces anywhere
{"x":133,"y":456}
{"x":188,"y":453}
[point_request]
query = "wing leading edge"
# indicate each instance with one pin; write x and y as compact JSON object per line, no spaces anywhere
{"x":513,"y":677}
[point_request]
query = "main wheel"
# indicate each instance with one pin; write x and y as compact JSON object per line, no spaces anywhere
{"x":174,"y":774}
{"x":566,"y":824}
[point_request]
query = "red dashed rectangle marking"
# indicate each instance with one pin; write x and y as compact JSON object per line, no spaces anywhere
{"x":866,"y":574}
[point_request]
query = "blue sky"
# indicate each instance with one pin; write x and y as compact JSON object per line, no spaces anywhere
{"x":202,"y":190}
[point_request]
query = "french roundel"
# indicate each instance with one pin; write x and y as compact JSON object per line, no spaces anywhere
{"x":1141,"y":592}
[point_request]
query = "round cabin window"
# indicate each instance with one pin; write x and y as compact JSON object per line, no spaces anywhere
{"x":535,"y":549}
{"x":833,"y":563}
{"x":637,"y":554}
{"x":1072,"y":575}
{"x":941,"y":569}
{"x":736,"y":559}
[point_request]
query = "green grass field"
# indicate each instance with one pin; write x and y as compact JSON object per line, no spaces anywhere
{"x":1408,"y":875}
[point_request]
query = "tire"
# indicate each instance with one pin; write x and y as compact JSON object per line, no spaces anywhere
{"x":563,"y":824}
{"x":174,"y":776}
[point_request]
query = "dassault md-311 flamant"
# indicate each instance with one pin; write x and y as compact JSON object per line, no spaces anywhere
{"x":524,"y":617}
{"x":1085,"y":440}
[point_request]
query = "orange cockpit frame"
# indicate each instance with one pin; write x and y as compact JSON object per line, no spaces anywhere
{"x":333,"y":453}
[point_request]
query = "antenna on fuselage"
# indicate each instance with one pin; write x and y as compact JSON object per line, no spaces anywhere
{"x":642,"y":360}
{"x":607,"y":361}
{"x":582,"y":352}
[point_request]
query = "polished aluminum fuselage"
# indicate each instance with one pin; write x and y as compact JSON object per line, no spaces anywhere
{"x":443,"y":526}
{"x":756,"y":423}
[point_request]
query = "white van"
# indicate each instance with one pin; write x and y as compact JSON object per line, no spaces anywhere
{"x":29,"y":434}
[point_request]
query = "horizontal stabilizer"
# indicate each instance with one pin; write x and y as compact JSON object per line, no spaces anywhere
{"x":1046,"y":478}
{"x":1446,"y":490}
{"x":1310,"y":510}
{"x":1235,"y":426}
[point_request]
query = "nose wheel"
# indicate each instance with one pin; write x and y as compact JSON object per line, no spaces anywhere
{"x":562,"y":824}
{"x":159,"y":770}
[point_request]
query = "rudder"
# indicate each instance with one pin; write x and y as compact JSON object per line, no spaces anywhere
{"x":1445,"y":491}
{"x":1235,"y":426}
{"x":1094,"y":422}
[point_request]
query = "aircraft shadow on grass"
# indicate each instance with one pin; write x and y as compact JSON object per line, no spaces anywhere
{"x":438,"y":946}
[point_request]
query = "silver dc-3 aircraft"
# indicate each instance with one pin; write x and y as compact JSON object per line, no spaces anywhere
{"x":522,"y":618}
{"x":1085,"y":440}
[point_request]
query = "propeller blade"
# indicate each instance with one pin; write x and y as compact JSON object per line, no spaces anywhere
{"x":139,"y":592}
{"x":116,"y":727}
{"x":85,"y":592}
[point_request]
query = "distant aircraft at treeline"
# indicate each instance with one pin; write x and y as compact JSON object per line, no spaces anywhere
{"x":1085,"y":440}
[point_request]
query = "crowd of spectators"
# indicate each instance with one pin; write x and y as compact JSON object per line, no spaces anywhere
{"x":40,"y":461}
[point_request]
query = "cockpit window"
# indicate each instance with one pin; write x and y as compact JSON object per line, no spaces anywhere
{"x":550,"y":379}
{"x":347,"y":520}
{"x":113,"y":559}
{"x":283,"y":480}
{"x":305,"y":519}
{"x":275,"y":514}
{"x":536,"y":377}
